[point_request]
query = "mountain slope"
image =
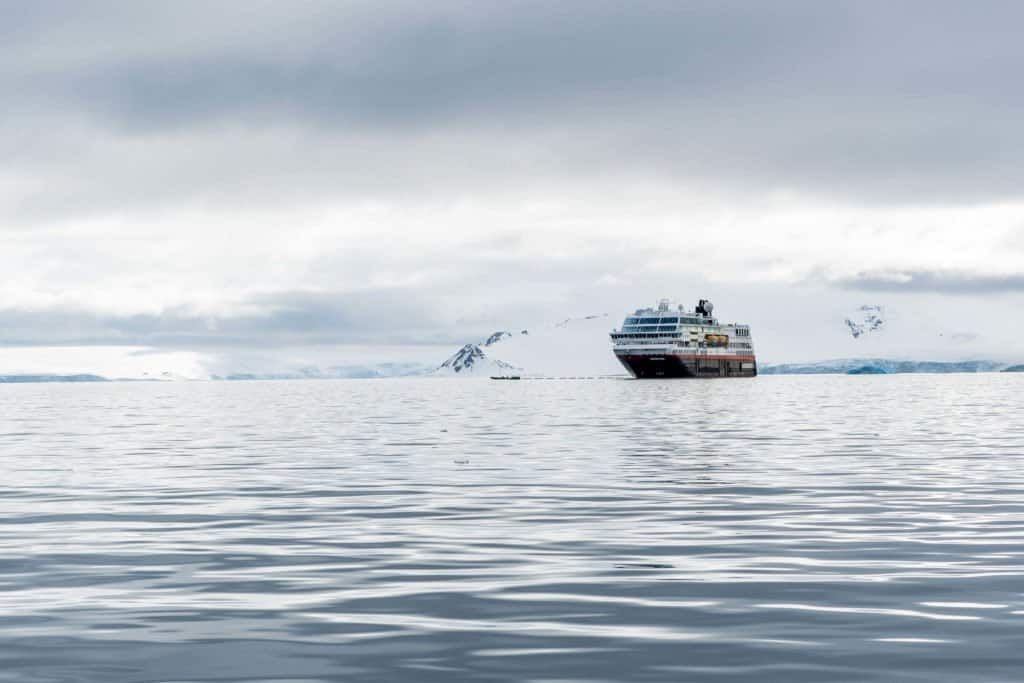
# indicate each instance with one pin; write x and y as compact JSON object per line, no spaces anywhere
{"x":571,"y":346}
{"x":472,"y":361}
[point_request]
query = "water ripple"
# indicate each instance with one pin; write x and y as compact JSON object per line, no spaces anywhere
{"x":785,"y":528}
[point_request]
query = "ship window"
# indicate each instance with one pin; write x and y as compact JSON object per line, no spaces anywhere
{"x":648,"y":321}
{"x":667,"y":328}
{"x":632,"y":321}
{"x":669,"y":321}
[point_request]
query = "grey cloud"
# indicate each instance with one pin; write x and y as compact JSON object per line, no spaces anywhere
{"x":942,"y":282}
{"x":273,"y":319}
{"x":908,"y":102}
{"x":494,"y":289}
{"x":401,"y":66}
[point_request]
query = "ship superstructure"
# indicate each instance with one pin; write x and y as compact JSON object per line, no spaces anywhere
{"x":670,"y":341}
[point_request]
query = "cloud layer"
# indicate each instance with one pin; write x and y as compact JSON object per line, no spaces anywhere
{"x":245,"y":173}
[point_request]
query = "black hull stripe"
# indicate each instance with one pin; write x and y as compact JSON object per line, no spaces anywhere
{"x":672,"y":366}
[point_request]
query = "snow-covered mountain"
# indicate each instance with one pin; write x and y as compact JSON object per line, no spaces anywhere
{"x":571,"y":346}
{"x":497,"y":337}
{"x":472,"y":361}
{"x":865,"y":320}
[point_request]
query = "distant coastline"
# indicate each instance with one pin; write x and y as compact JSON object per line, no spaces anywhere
{"x":882,"y":366}
{"x":850,"y":366}
{"x":28,"y":379}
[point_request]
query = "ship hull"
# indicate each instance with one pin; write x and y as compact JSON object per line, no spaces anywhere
{"x":677,"y":366}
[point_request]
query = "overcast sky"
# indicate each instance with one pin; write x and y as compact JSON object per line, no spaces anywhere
{"x":236,"y":175}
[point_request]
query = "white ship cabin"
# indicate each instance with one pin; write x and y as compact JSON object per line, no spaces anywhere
{"x":676,"y":326}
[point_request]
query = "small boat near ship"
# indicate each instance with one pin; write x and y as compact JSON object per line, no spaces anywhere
{"x":667,"y":342}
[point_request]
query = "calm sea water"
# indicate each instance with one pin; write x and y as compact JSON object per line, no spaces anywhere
{"x":776,"y":529}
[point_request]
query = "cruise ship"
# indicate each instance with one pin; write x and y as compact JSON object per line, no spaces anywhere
{"x":671,"y":341}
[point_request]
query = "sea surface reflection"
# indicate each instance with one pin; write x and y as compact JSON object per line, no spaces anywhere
{"x":775,"y":529}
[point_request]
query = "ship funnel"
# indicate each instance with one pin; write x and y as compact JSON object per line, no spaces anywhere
{"x":705,"y":307}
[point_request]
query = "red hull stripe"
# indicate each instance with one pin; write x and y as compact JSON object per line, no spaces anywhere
{"x":743,"y":359}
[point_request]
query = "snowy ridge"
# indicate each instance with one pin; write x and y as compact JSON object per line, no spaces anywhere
{"x":569,"y":321}
{"x":497,"y":337}
{"x":571,"y":346}
{"x":369,"y":371}
{"x":471,"y":360}
{"x":866,"y":319}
